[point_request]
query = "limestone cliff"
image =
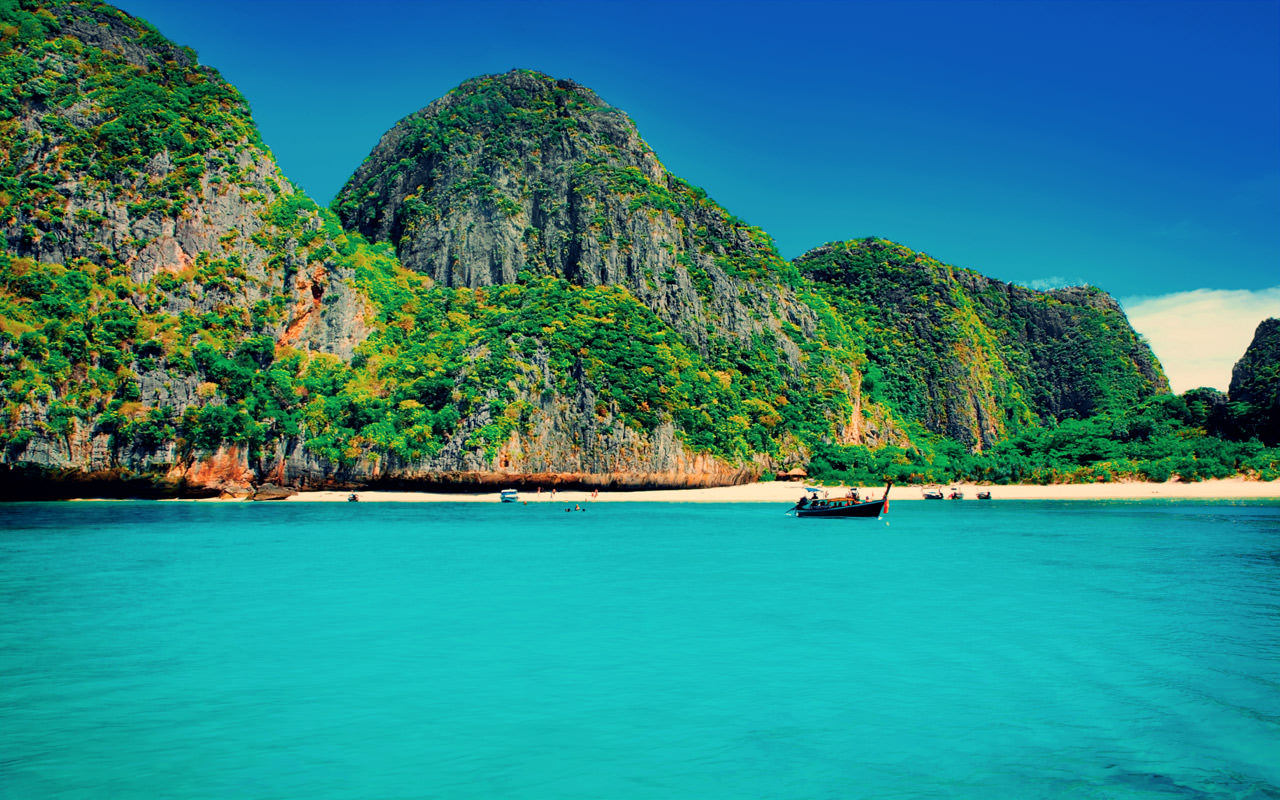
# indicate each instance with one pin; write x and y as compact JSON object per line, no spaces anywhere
{"x":171,"y":309}
{"x":125,"y":154}
{"x":520,"y":179}
{"x":140,"y":216}
{"x":522,"y":294}
{"x":975,"y":358}
{"x":519,"y":175}
{"x":1255,"y":385}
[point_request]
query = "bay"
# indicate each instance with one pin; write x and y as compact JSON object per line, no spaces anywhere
{"x":1125,"y":649}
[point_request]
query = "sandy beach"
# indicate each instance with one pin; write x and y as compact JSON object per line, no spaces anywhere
{"x":785,"y":492}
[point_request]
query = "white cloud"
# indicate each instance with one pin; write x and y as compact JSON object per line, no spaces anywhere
{"x":1200,"y":335}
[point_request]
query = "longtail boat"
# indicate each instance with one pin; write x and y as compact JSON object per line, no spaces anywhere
{"x":840,"y":507}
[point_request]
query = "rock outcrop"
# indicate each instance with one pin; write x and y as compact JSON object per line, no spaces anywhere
{"x":522,"y":175}
{"x":975,"y":358}
{"x":521,"y":295}
{"x":1255,"y":385}
{"x":139,"y":213}
{"x":520,"y":178}
{"x":126,"y":154}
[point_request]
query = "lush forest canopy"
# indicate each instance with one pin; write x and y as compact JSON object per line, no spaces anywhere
{"x":165,"y":294}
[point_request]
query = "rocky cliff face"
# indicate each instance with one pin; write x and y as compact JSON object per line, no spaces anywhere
{"x":1255,"y":385}
{"x":522,"y":295}
{"x":975,"y":358}
{"x":519,"y":175}
{"x":139,"y":213}
{"x":125,"y":154}
{"x":169,"y":301}
{"x":519,"y":178}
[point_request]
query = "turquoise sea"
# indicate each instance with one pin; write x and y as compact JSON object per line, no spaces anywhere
{"x":949,"y":650}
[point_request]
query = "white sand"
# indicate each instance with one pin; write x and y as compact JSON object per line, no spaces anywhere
{"x":785,"y":492}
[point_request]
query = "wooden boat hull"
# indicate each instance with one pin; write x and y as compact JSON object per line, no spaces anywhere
{"x":843,"y":508}
{"x":872,"y":509}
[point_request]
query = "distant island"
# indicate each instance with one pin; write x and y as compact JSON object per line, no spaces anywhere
{"x":511,"y":290}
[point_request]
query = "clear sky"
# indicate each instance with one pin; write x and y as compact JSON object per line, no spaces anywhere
{"x":1131,"y":145}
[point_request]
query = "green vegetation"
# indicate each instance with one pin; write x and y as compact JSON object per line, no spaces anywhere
{"x":74,"y":343}
{"x":79,"y":122}
{"x":1073,"y":392}
{"x":437,"y":358}
{"x":1255,"y":387}
{"x":976,"y":359}
{"x":486,"y":121}
{"x":733,"y":395}
{"x":446,"y":157}
{"x":496,"y":353}
{"x":107,"y":134}
{"x":1163,"y":437}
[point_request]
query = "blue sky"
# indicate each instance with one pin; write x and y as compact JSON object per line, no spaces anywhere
{"x":1134,"y":146}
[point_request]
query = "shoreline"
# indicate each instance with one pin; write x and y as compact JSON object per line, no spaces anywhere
{"x":789,"y":492}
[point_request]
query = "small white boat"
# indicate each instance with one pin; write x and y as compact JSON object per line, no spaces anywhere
{"x":509,"y":496}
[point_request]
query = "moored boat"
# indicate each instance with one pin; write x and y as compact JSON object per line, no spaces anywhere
{"x":984,"y":495}
{"x":932,"y":494}
{"x":509,"y":496}
{"x":956,"y":494}
{"x":840,"y":507}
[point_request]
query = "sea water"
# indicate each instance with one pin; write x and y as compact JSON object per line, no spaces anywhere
{"x":380,"y":650}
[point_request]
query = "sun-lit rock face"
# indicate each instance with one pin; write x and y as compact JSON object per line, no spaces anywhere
{"x":510,"y":290}
{"x":975,"y":358}
{"x":519,"y":175}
